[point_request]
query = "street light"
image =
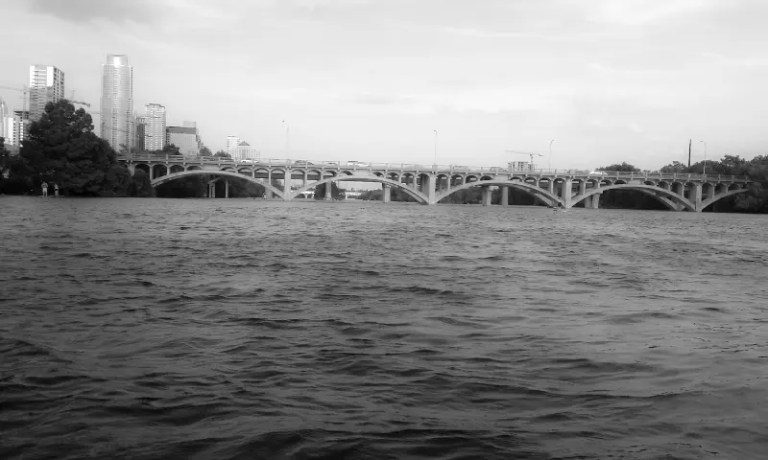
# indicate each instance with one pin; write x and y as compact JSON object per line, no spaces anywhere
{"x":704,"y":169}
{"x":550,"y":154}
{"x":435,"y":147}
{"x":287,"y":139}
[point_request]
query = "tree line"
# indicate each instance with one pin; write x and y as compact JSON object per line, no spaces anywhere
{"x":61,"y":148}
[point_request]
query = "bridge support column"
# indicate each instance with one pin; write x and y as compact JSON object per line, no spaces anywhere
{"x":287,"y":185}
{"x":565,"y":192}
{"x":592,"y":202}
{"x":430,"y":188}
{"x":696,"y":197}
{"x":386,"y":194}
{"x":487,"y":195}
{"x":226,"y":188}
{"x":328,"y":191}
{"x":504,"y":195}
{"x":212,"y":188}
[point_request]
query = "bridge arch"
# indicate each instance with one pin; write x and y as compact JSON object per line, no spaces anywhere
{"x":537,"y":192}
{"x":207,"y":172}
{"x":669,"y":198}
{"x":733,"y":190}
{"x":419,"y":197}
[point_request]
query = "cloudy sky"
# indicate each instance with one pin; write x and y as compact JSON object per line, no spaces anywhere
{"x":372,"y":80}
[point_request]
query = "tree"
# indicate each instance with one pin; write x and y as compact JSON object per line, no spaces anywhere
{"x":624,"y":166}
{"x":222,"y":154}
{"x":205,"y":152}
{"x":5,"y":159}
{"x":336,"y":192}
{"x":61,"y":148}
{"x":141,"y":185}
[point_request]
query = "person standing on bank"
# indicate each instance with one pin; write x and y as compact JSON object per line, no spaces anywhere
{"x":55,"y":190}
{"x":44,"y":186}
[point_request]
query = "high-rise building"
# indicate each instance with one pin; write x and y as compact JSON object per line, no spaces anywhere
{"x":246,"y":152}
{"x":186,"y":138}
{"x":16,"y":126}
{"x":154,"y":127}
{"x":141,"y":124}
{"x":3,"y":118}
{"x":232,"y":143}
{"x":117,"y":123}
{"x":46,"y":84}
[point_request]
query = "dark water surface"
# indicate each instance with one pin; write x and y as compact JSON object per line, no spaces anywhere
{"x":161,"y":328}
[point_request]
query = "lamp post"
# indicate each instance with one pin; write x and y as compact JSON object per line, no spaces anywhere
{"x":704,"y":169}
{"x":287,"y":139}
{"x":435,"y":147}
{"x":550,"y":154}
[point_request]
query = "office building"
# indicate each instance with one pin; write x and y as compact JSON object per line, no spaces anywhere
{"x":117,"y":123}
{"x":186,"y":138}
{"x":3,"y":117}
{"x":232,"y":143}
{"x":141,"y":124}
{"x":246,"y":152}
{"x":154,"y":127}
{"x":46,"y":84}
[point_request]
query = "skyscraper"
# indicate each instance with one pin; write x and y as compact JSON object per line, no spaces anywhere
{"x":3,"y":118}
{"x":46,"y":84}
{"x":154,"y":127}
{"x":117,"y":124}
{"x":232,"y":143}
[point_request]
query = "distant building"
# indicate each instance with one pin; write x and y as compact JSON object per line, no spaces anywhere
{"x":3,"y":117}
{"x":154,"y":129}
{"x":46,"y":84}
{"x":141,"y":124}
{"x":246,"y":152}
{"x":185,"y":138}
{"x":16,"y":125}
{"x":117,"y":122}
{"x":232,"y":143}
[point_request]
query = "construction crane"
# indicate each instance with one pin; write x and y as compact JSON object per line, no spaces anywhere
{"x":24,"y":91}
{"x":530,"y":155}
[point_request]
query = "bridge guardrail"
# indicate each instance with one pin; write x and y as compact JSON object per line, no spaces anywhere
{"x":449,"y":169}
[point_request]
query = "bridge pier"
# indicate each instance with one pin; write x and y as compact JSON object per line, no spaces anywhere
{"x":386,"y":194}
{"x":328,"y":191}
{"x":487,"y":195}
{"x":505,"y":195}
{"x":696,"y":195}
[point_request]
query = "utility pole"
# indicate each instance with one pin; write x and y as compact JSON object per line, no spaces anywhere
{"x":689,"y":153}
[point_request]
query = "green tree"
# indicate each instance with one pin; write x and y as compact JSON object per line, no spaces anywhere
{"x":61,"y":148}
{"x":336,"y":192}
{"x":624,"y":167}
{"x":141,"y":185}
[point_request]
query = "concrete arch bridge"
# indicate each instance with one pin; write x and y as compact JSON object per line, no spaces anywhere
{"x":288,"y":180}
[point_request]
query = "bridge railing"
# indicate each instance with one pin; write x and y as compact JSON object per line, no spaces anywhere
{"x":414,"y":167}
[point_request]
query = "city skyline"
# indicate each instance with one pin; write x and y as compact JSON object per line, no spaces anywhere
{"x":594,"y":84}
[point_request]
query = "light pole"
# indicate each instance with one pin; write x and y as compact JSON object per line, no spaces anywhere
{"x":287,"y":139}
{"x":704,"y":169}
{"x":435,"y":147}
{"x":550,"y":154}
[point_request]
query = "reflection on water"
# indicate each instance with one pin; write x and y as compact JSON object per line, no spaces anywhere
{"x":257,"y":329}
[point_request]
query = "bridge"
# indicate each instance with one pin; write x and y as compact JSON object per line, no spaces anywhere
{"x":286,"y":180}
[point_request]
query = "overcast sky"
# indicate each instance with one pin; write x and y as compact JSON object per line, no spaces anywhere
{"x":371,"y":80}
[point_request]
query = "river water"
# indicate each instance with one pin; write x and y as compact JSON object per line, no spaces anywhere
{"x":162,"y":328}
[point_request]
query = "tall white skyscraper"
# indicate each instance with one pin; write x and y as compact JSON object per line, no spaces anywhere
{"x":154,"y":127}
{"x":4,"y":126}
{"x":46,"y":84}
{"x":232,"y":143}
{"x":117,"y":124}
